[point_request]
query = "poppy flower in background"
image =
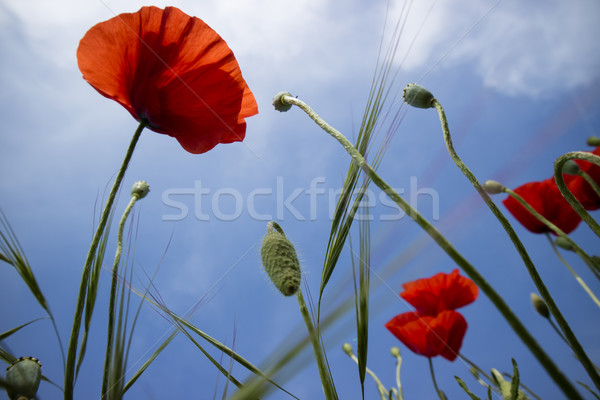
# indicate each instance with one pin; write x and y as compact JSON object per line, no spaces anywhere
{"x":428,"y":335}
{"x":171,"y":71}
{"x":547,"y":200}
{"x":440,"y":292}
{"x":582,"y":190}
{"x":435,"y":328}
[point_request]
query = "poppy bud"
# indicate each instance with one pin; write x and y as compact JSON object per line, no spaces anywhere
{"x":570,"y":168}
{"x":540,"y":306}
{"x":278,"y":102}
{"x":564,"y":243}
{"x":493,"y":187}
{"x":347,"y":348}
{"x":417,"y":96}
{"x":140,"y":189}
{"x":280,"y":260}
{"x":395,"y":351}
{"x":23,"y":378}
{"x":593,"y":141}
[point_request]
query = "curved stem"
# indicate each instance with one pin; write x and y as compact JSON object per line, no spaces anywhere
{"x":470,"y":270}
{"x":72,"y":351}
{"x":383,"y":392}
{"x":113,"y":294}
{"x":535,"y":276}
{"x":441,"y":394}
{"x":562,"y":186}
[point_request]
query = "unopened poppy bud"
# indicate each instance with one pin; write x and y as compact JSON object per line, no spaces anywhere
{"x":593,"y":141}
{"x":140,"y":189}
{"x":564,"y":243}
{"x":279,"y":103}
{"x":347,"y":348}
{"x":280,"y":260}
{"x":539,"y":305}
{"x":395,"y":351}
{"x":23,"y":378}
{"x":493,"y":187}
{"x":570,"y":168}
{"x":417,"y":96}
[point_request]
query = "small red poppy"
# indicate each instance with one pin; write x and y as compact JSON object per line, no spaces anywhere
{"x":441,"y":292}
{"x":172,"y":71}
{"x":428,"y":335}
{"x":582,"y":190}
{"x":547,"y":200}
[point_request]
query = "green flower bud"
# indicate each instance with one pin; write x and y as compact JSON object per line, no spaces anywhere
{"x":23,"y":378}
{"x":140,"y":189}
{"x":278,"y":102}
{"x":570,"y":168}
{"x":395,"y":351}
{"x":540,"y":306}
{"x":493,"y":187}
{"x":593,"y":141}
{"x":280,"y":260}
{"x":417,"y":96}
{"x":564,"y":243}
{"x":347,"y":348}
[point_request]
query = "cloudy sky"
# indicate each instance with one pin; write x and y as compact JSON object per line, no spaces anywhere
{"x":520,"y":85}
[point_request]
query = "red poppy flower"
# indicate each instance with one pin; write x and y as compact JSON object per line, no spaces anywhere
{"x":441,"y":292}
{"x":428,"y":335}
{"x":582,"y":190}
{"x":172,"y":71}
{"x":547,"y":200}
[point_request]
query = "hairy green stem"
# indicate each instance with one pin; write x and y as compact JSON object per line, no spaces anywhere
{"x":113,"y":294}
{"x":312,"y":333}
{"x":470,"y":270}
{"x":562,"y":186}
{"x":72,"y":351}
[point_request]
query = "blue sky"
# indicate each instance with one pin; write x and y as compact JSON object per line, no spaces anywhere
{"x":520,"y":87}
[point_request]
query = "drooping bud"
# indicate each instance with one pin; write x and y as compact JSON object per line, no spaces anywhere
{"x":570,"y":168}
{"x":140,"y":189}
{"x":493,"y":187}
{"x":540,"y":306}
{"x":279,"y":104}
{"x":23,"y":378}
{"x":417,"y":96}
{"x":280,"y":260}
{"x":395,"y":351}
{"x":564,"y":243}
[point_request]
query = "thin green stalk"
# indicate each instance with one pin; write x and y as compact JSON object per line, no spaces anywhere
{"x":383,"y":392}
{"x":470,"y":270}
{"x":72,"y":351}
{"x":535,"y":276}
{"x":113,"y":294}
{"x":562,"y":186}
{"x":312,"y":333}
{"x":572,"y":271}
{"x":441,"y":394}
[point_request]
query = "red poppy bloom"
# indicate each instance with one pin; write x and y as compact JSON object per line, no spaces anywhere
{"x":547,"y":200}
{"x":428,"y":335}
{"x":582,"y":190}
{"x":171,"y":71}
{"x":441,"y":292}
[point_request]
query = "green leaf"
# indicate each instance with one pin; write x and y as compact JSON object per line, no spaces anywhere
{"x":464,"y":387}
{"x":6,"y":334}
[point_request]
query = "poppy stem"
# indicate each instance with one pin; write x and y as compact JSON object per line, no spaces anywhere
{"x":564,"y":190}
{"x":383,"y":392}
{"x":81,"y":298}
{"x":435,"y":385}
{"x":326,"y":379}
{"x":572,"y":271}
{"x":551,"y":368}
{"x":112,"y":299}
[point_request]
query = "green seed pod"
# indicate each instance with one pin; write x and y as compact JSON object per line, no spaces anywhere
{"x":280,"y":260}
{"x":593,"y":141}
{"x":417,"y":96}
{"x":23,"y":378}
{"x":493,"y":187}
{"x":570,"y":168}
{"x":140,"y":189}
{"x":540,"y":306}
{"x":279,"y":104}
